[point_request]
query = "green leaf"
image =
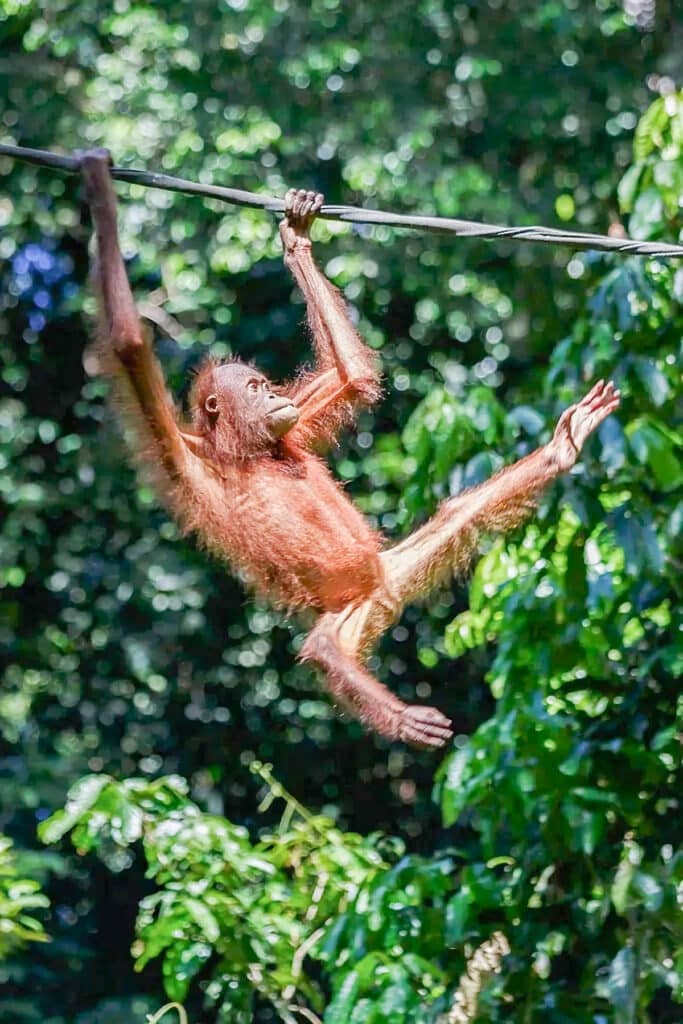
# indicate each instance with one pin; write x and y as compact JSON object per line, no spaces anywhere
{"x":591,"y":795}
{"x":620,"y":986}
{"x":650,"y":890}
{"x":621,"y":884}
{"x":664,"y":738}
{"x":653,"y":444}
{"x":467,"y":632}
{"x":202,"y":916}
{"x":363,"y":1012}
{"x":393,"y":1003}
{"x":650,"y":129}
{"x":339,"y":1010}
{"x":628,"y":187}
{"x":647,"y":218}
{"x":82,"y":796}
{"x":457,"y":915}
{"x":655,"y":382}
{"x":453,"y":792}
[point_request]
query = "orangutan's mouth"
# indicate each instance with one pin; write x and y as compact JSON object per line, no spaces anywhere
{"x":283,"y":419}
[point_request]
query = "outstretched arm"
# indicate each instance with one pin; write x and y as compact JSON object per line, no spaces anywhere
{"x":126,"y":349}
{"x":346,"y":371}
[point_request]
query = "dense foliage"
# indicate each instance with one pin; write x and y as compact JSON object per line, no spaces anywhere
{"x":19,"y":898}
{"x":140,"y":681}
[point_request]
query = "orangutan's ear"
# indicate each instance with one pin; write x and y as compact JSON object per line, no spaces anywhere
{"x":211,"y":405}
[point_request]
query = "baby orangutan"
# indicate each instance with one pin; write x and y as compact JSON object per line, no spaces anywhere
{"x":243,"y":474}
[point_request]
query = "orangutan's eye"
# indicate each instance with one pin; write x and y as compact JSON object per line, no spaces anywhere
{"x":252,"y":386}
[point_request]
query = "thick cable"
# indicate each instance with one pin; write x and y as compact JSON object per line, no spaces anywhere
{"x":360,"y":215}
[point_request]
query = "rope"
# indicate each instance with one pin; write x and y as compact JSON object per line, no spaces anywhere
{"x":359,"y":215}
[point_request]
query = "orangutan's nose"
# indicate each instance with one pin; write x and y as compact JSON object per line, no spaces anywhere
{"x":276,"y":402}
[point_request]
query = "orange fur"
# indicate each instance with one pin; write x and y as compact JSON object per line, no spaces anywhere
{"x":278,"y":518}
{"x":285,"y":525}
{"x":244,"y":477}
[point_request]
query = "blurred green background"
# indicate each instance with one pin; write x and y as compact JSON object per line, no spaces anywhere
{"x":360,"y":892}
